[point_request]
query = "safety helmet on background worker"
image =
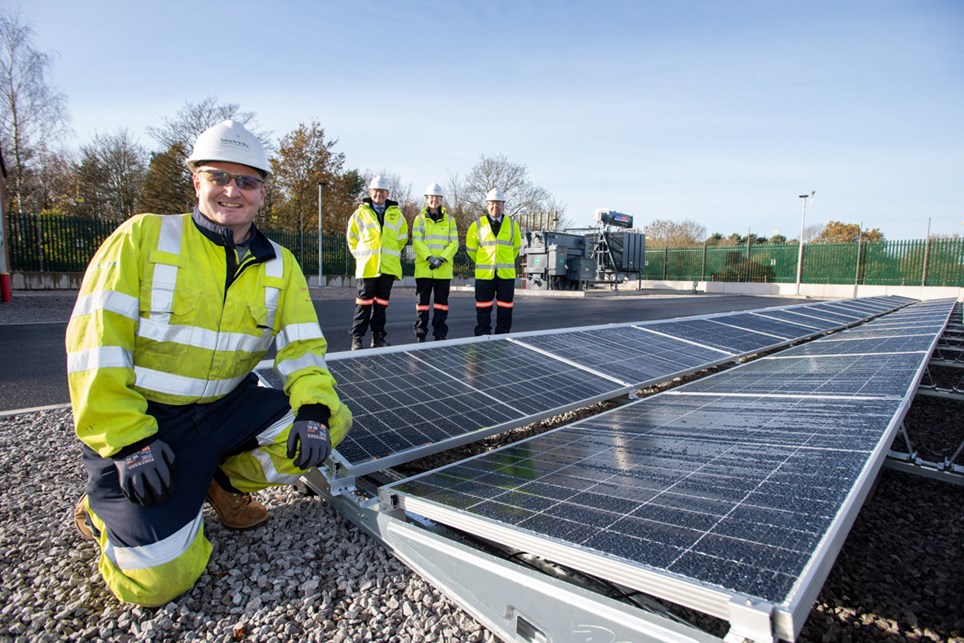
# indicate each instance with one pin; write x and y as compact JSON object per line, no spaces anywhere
{"x":229,"y":141}
{"x":495,"y":194}
{"x":434,"y":189}
{"x":378,"y":183}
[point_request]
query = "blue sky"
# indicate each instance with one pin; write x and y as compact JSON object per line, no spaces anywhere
{"x":717,"y":112}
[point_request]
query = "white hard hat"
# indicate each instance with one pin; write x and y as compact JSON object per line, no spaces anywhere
{"x":378,"y":183}
{"x":229,"y":141}
{"x":495,"y":194}
{"x":433,"y":189}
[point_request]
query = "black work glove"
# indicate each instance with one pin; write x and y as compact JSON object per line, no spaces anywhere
{"x":145,"y":476}
{"x":315,"y":443}
{"x":434,"y":262}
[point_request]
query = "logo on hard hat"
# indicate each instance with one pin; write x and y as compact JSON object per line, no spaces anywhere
{"x":231,"y":141}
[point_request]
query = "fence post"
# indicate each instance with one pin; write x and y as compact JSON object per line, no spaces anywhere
{"x":857,"y":271}
{"x":666,"y":263}
{"x":927,"y":249}
{"x":747,"y":273}
{"x":321,"y":252}
{"x":703,"y":267}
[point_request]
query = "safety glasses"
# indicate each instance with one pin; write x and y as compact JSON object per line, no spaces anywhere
{"x":222,"y":178}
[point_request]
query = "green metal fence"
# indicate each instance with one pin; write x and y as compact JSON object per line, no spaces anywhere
{"x":58,"y":243}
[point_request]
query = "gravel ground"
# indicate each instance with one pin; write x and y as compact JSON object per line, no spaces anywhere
{"x":309,"y":574}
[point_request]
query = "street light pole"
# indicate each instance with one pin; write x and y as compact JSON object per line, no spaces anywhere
{"x":803,"y":219}
{"x":321,"y":245}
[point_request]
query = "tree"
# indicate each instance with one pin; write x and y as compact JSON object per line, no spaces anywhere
{"x":33,"y":114}
{"x":663,"y":233}
{"x":304,"y":160}
{"x":838,"y":232}
{"x":111,"y":175}
{"x":167,"y":187}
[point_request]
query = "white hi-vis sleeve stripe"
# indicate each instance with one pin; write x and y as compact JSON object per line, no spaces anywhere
{"x":160,"y":382}
{"x":298,"y":332}
{"x":290,"y":366}
{"x":202,"y":337}
{"x":156,"y":554}
{"x":393,"y":253}
{"x":165,"y":276}
{"x":276,"y":269}
{"x":115,"y":302}
{"x":102,"y":357}
{"x":267,"y":438}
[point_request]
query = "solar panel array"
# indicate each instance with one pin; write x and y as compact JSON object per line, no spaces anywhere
{"x":732,"y":486}
{"x":413,"y":401}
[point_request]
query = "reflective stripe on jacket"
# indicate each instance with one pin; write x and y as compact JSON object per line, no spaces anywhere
{"x":377,"y":248}
{"x":158,"y":319}
{"x":494,"y":255}
{"x":434,"y":239}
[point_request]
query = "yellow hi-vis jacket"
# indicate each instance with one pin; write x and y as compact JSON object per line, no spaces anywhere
{"x":377,"y":248}
{"x":166,"y":314}
{"x":434,"y":239}
{"x":494,"y":255}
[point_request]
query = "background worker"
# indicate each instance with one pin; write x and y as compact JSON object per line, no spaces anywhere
{"x":377,"y":233}
{"x":493,"y":242}
{"x":435,"y":239}
{"x":173,"y":314}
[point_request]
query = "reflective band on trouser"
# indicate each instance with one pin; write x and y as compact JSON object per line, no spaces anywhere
{"x":364,"y":302}
{"x":381,"y":302}
{"x":266,"y":465}
{"x":153,"y":575}
{"x":485,"y":304}
{"x":439,"y":307}
{"x":503,"y":304}
{"x":421,"y":308}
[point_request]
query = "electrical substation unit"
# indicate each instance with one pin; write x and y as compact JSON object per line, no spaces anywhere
{"x":580,"y":258}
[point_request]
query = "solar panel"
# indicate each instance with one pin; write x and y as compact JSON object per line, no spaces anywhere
{"x":762,"y":324}
{"x":408,"y":404}
{"x":847,"y":375}
{"x":632,"y":355}
{"x":673,"y":485}
{"x":528,"y":381}
{"x":837,"y":316}
{"x":715,"y":332}
{"x":801,"y":318}
{"x":729,"y":485}
{"x":399,"y":404}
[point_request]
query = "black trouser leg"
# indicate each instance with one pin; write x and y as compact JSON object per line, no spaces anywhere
{"x":423,"y":294}
{"x":364,"y":301}
{"x":383,"y":292}
{"x":504,"y":294}
{"x":440,"y":314}
{"x":484,"y":300}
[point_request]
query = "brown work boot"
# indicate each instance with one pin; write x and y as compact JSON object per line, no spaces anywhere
{"x":235,"y":509}
{"x":82,"y":519}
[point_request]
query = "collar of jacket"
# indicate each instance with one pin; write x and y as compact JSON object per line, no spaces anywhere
{"x":260,"y":247}
{"x":388,"y":202}
{"x":441,"y":213}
